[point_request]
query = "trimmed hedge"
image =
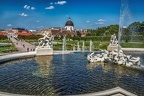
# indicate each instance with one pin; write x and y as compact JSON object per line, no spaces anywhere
{"x":93,"y":38}
{"x":3,"y":37}
{"x":29,"y":37}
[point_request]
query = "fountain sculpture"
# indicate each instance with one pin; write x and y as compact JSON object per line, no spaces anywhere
{"x":115,"y":56}
{"x":45,"y":46}
{"x":113,"y":43}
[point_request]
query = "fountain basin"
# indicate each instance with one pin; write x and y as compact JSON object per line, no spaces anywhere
{"x":66,"y":74}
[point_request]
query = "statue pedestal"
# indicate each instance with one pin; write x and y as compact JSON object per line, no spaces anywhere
{"x":44,"y":51}
{"x":112,"y":48}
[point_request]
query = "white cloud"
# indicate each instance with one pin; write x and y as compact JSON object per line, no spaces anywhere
{"x":61,"y":2}
{"x":32,"y":8}
{"x":87,"y":21}
{"x":25,"y":6}
{"x":101,"y":20}
{"x":23,"y":14}
{"x":100,"y":23}
{"x":50,"y":7}
{"x":9,"y":25}
{"x":51,"y":3}
{"x":28,"y":7}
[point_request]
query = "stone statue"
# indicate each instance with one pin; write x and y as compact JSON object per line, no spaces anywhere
{"x":113,"y":40}
{"x":114,"y":44}
{"x":46,"y":41}
{"x":116,"y":57}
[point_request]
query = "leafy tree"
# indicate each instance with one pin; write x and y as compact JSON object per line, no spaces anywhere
{"x":78,"y":33}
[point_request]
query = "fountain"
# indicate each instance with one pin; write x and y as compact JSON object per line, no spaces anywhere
{"x":125,"y":19}
{"x":115,"y":55}
{"x":83,"y":46}
{"x":114,"y":52}
{"x":78,"y":47}
{"x":74,"y":48}
{"x":71,"y":74}
{"x":64,"y":45}
{"x":45,"y":46}
{"x":91,"y":45}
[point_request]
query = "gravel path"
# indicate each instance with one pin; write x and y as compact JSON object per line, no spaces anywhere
{"x":23,"y":46}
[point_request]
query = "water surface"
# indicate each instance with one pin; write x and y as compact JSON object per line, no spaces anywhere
{"x":67,"y":74}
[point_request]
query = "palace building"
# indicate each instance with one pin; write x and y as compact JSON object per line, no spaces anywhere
{"x":68,"y":29}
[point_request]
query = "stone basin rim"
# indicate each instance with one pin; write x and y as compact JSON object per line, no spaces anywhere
{"x":116,"y":91}
{"x":15,"y":56}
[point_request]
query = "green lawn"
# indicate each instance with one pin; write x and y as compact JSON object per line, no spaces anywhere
{"x":6,"y":49}
{"x":96,"y":44}
{"x":70,"y":44}
{"x":132,"y":45}
{"x":5,"y":41}
{"x":31,"y":40}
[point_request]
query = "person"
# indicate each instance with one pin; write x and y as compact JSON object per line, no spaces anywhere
{"x":10,"y":49}
{"x":27,"y":49}
{"x":23,"y":45}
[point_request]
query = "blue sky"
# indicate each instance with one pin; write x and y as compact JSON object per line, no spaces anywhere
{"x":85,"y":14}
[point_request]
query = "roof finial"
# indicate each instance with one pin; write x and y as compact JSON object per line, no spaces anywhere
{"x":69,"y":18}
